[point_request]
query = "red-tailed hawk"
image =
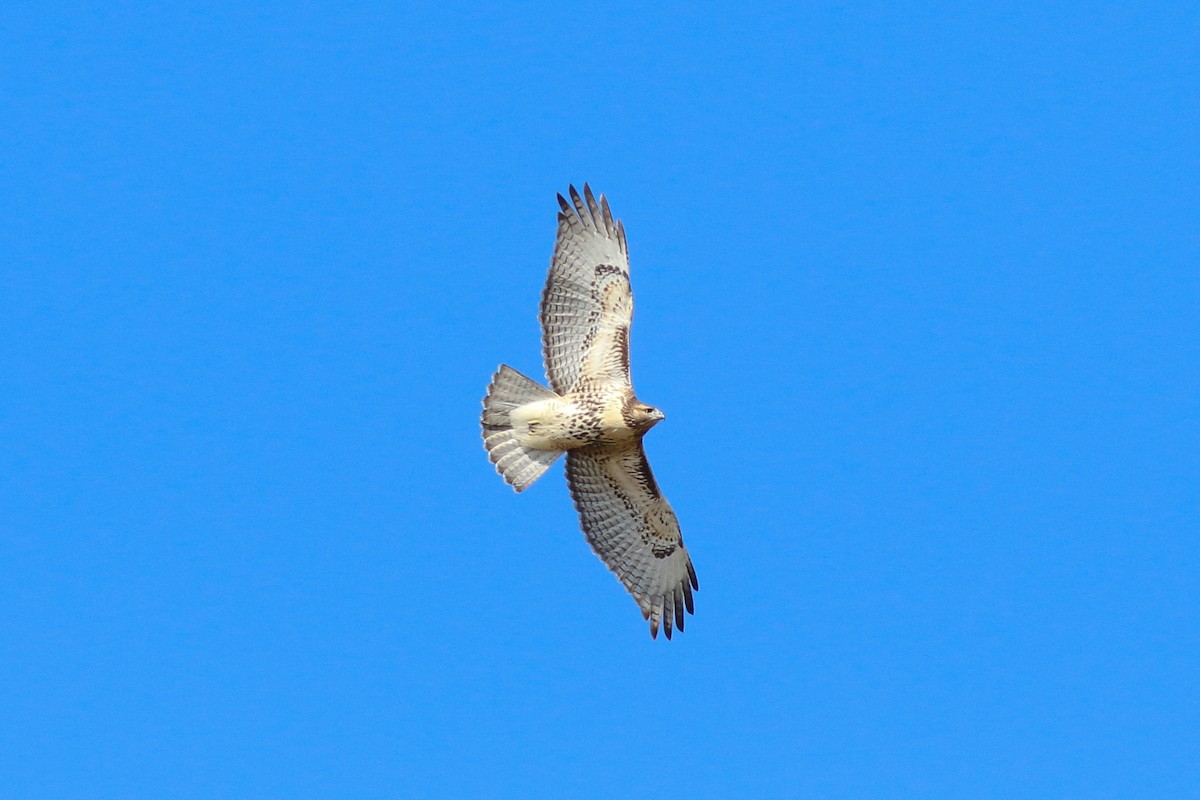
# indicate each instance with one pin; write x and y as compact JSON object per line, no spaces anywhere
{"x":593,"y":416}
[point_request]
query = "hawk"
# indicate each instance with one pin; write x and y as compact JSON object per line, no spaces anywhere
{"x":591,"y":414}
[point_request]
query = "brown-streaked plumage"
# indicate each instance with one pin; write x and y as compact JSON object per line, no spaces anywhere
{"x":592,"y":414}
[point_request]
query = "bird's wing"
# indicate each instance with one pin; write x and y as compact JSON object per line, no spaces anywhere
{"x":631,"y":526}
{"x":587,"y":305}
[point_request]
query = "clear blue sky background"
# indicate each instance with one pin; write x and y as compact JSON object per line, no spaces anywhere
{"x":918,"y":289}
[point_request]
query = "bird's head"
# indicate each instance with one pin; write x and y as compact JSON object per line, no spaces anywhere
{"x":643,"y":417}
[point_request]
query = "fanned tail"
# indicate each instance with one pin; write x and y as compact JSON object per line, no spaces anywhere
{"x":517,"y":464}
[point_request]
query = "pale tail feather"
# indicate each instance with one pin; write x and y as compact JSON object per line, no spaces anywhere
{"x":518,"y":465}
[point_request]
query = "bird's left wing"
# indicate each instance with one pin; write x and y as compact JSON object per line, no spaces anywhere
{"x":631,"y":526}
{"x":587,"y":305}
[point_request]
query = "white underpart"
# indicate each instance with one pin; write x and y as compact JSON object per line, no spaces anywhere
{"x":542,"y":424}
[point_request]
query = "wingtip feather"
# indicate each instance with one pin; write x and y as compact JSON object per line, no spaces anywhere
{"x":610,"y":225}
{"x":593,"y":208}
{"x":593,"y":211}
{"x":576,"y":199}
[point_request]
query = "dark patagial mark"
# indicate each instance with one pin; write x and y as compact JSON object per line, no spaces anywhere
{"x":644,"y":477}
{"x":621,"y":339}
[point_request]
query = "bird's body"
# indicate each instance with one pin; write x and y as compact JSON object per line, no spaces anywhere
{"x":592,"y":415}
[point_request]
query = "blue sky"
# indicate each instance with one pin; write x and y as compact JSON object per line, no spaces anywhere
{"x":917,"y":289}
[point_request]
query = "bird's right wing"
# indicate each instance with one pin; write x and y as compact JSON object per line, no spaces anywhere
{"x":587,"y":305}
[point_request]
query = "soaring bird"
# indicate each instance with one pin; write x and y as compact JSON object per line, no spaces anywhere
{"x":592,"y":414}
